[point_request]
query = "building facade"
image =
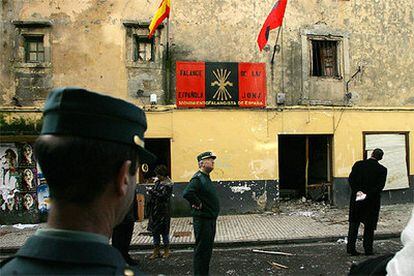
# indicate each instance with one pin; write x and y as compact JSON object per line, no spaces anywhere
{"x":338,"y":83}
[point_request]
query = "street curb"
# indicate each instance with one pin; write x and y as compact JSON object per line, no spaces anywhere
{"x":233,"y":244}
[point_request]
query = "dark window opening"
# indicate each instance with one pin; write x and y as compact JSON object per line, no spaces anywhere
{"x":324,"y":58}
{"x":34,"y":49}
{"x":143,"y":48}
{"x":161,"y":149}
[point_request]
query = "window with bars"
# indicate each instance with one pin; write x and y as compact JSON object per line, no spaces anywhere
{"x":143,"y":48}
{"x":324,"y":58}
{"x":34,"y":49}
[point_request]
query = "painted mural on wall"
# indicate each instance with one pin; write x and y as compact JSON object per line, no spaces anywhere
{"x":21,"y":184}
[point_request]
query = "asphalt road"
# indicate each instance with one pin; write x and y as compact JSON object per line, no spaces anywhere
{"x":309,"y":259}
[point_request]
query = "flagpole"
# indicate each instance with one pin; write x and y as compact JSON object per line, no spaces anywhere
{"x":275,"y":48}
{"x":168,"y":64}
{"x":282,"y":56}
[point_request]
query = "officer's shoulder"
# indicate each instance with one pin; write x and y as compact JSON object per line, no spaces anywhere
{"x":197,"y":175}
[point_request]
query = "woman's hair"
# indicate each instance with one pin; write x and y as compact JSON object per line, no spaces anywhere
{"x":161,"y":170}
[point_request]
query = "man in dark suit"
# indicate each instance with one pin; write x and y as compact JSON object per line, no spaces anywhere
{"x":89,"y":149}
{"x":367,"y":179}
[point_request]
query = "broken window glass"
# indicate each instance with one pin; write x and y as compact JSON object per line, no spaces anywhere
{"x":144,"y":48}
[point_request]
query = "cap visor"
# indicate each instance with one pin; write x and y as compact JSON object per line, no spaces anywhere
{"x":206,"y":157}
{"x":146,"y":156}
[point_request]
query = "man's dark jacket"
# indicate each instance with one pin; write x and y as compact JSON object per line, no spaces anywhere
{"x":369,"y":177}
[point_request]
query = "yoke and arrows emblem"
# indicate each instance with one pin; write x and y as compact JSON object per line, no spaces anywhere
{"x":222,"y":75}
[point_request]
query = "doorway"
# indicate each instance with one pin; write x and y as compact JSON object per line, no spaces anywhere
{"x":305,"y":166}
{"x":161,"y":148}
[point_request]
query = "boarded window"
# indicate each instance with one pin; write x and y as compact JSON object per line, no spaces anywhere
{"x":143,"y":48}
{"x":34,"y":49}
{"x":324,"y":58}
{"x":395,"y":157}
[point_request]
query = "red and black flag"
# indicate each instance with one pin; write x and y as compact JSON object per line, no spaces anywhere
{"x":273,"y":20}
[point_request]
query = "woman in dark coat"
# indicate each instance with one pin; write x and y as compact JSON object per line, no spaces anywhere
{"x":159,"y":211}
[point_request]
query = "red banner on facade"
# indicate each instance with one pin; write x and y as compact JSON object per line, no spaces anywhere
{"x":225,"y":84}
{"x":190,"y":86}
{"x":252,"y":85}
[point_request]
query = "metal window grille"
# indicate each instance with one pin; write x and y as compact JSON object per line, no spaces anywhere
{"x":144,"y":48}
{"x":324,"y":58}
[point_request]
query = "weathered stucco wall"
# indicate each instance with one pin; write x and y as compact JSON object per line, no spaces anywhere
{"x":381,"y":39}
{"x":89,"y":46}
{"x":246,"y":141}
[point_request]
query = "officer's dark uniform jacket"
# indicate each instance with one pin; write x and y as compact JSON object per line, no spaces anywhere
{"x":66,"y":252}
{"x":201,"y":190}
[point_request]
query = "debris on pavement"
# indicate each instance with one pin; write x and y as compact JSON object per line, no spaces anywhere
{"x":146,"y":233}
{"x":342,"y":241}
{"x":273,"y":252}
{"x":277,"y":265}
{"x":25,"y":226}
{"x":182,"y":234}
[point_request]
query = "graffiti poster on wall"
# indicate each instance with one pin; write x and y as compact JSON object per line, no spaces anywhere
{"x":19,"y":184}
{"x":9,"y":176}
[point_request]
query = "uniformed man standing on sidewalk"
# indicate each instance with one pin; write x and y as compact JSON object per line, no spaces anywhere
{"x":202,"y":195}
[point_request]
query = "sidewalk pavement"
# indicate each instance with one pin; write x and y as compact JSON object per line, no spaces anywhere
{"x":294,"y":224}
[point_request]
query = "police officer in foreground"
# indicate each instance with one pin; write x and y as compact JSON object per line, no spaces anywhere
{"x":88,"y":150}
{"x":201,"y":193}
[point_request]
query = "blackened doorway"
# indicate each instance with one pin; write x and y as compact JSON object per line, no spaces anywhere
{"x":305,"y":166}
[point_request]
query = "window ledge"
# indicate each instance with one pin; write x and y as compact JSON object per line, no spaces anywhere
{"x":139,"y":24}
{"x":142,"y":64}
{"x":322,"y":78}
{"x":32,"y":24}
{"x":39,"y":65}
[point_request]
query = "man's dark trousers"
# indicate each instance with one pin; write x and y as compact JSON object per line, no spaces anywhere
{"x":368,"y":239}
{"x":121,"y":237}
{"x":204,"y":231}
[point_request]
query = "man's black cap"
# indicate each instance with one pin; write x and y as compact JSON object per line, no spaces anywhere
{"x":205,"y":155}
{"x":75,"y":111}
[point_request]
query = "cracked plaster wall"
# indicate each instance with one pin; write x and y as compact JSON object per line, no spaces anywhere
{"x":381,"y":40}
{"x":88,"y":44}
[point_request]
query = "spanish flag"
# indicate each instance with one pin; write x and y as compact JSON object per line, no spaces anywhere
{"x":159,"y":16}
